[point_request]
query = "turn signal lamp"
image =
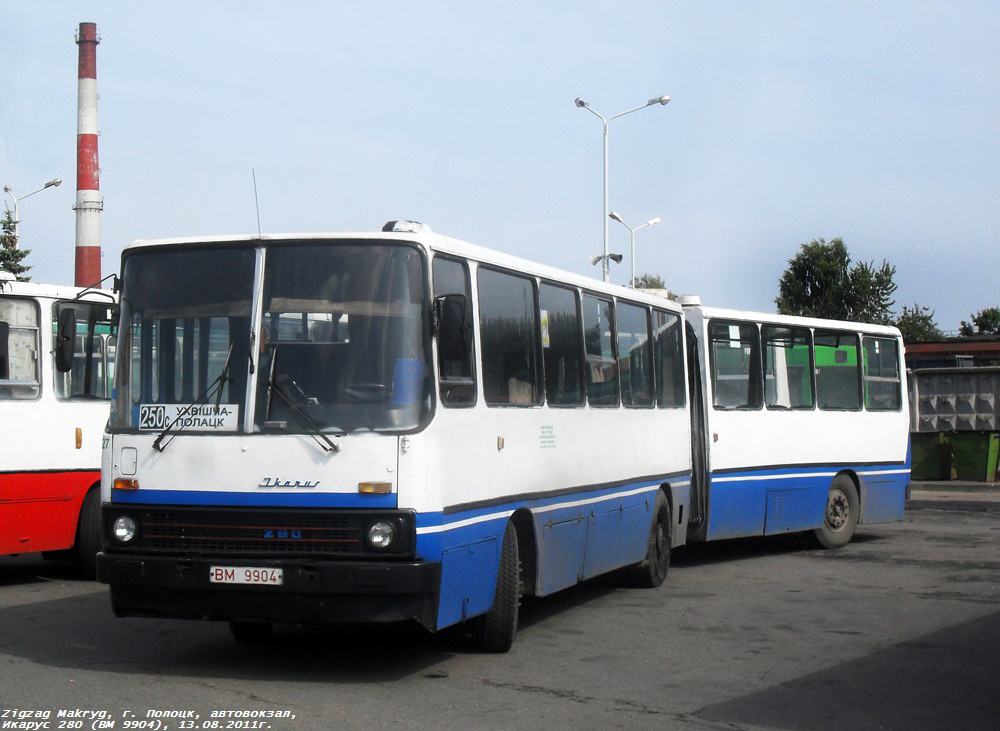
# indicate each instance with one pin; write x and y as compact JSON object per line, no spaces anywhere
{"x":375,"y":488}
{"x":123,"y":483}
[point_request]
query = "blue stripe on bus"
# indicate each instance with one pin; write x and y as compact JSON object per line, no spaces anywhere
{"x":777,"y":500}
{"x":262,"y":499}
{"x":578,"y":535}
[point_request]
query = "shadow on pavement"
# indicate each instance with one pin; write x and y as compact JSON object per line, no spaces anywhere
{"x":944,"y":680}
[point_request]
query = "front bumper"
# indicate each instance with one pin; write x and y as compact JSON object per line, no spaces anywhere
{"x":313,"y":591}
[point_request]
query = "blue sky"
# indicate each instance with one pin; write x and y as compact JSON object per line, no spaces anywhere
{"x":875,"y":122}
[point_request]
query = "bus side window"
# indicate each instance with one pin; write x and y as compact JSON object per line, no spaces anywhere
{"x":509,"y":333}
{"x":736,"y":366}
{"x":838,"y":382}
{"x":562,"y":351}
{"x":598,"y":338}
{"x":19,"y":371}
{"x":882,"y":381}
{"x":669,"y":356}
{"x":788,"y":380}
{"x":456,"y":382}
{"x":634,"y":355}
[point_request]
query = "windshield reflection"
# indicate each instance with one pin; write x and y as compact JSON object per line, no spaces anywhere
{"x":342,"y":339}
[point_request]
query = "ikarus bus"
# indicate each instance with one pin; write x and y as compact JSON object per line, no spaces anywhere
{"x":384,"y":426}
{"x":400,"y":426}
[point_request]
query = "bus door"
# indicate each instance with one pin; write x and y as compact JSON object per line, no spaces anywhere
{"x":699,"y":437}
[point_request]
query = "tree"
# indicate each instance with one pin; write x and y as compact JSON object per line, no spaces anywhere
{"x":984,"y":322}
{"x":918,"y":324}
{"x":820,"y":282}
{"x":10,"y":255}
{"x":652,"y":281}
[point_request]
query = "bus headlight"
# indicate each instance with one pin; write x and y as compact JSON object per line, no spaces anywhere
{"x":381,"y":534}
{"x":124,"y":528}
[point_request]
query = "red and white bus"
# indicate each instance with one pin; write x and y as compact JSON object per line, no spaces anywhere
{"x":56,"y":360}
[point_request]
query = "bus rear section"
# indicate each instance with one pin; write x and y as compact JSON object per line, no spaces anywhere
{"x":56,"y":360}
{"x":806,"y":425}
{"x":383,"y":427}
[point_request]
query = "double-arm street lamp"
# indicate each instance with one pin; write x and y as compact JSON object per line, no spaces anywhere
{"x":6,"y":189}
{"x":606,"y":270}
{"x":651,"y":222}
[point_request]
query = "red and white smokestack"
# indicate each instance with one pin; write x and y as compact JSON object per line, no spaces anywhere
{"x":88,"y":196}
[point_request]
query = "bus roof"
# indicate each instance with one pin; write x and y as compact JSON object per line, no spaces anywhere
{"x":429,"y":240}
{"x":722,"y":313}
{"x":52,"y":291}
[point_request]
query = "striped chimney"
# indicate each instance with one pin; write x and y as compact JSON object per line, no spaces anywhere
{"x":88,"y":197}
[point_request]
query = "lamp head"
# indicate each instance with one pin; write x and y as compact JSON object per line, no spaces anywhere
{"x":53,"y":183}
{"x":580,"y":102}
{"x":653,"y":221}
{"x":615,"y":216}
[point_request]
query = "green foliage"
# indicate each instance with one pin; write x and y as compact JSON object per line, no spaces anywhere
{"x":984,"y":322}
{"x":652,"y":281}
{"x":820,"y":282}
{"x":917,"y":323}
{"x":10,"y":255}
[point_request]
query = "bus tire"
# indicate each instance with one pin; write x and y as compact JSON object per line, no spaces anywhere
{"x":88,"y":534}
{"x":250,"y":632}
{"x":495,"y":630}
{"x":840,"y":518}
{"x":652,"y":570}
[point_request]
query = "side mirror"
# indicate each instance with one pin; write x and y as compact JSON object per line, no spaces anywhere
{"x":453,"y":327}
{"x":65,"y":340}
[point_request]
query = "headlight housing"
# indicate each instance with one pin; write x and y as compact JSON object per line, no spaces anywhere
{"x":381,"y":534}
{"x":124,"y":528}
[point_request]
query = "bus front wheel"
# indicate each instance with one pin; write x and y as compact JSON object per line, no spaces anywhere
{"x":495,"y":630}
{"x":841,"y":515}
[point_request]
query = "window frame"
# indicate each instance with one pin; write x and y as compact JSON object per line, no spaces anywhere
{"x":471,"y":312}
{"x":866,"y":379}
{"x":581,"y":401}
{"x":754,"y":370}
{"x":37,"y":383}
{"x":536,"y":366}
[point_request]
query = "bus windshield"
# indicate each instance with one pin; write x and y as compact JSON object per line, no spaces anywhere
{"x":340,"y":345}
{"x":342,"y":339}
{"x":185,"y":315}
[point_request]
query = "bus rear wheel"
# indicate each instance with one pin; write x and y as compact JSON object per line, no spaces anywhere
{"x":495,"y":630}
{"x":840,"y":517}
{"x":652,"y":570}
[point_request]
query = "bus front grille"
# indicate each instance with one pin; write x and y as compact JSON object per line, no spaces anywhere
{"x":268,"y":531}
{"x":250,"y":531}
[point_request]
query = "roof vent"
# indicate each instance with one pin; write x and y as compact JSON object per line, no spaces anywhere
{"x":409,"y":227}
{"x":6,"y":276}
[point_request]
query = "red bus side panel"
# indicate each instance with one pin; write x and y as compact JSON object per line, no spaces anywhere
{"x":39,"y":510}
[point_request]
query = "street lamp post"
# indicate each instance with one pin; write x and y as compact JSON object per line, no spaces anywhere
{"x":606,"y":270}
{"x":651,"y":222}
{"x":6,"y":189}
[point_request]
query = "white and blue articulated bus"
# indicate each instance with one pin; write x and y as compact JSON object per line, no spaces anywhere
{"x":384,"y":426}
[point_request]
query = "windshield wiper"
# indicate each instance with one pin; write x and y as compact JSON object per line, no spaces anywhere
{"x":303,"y":418}
{"x":219,"y":383}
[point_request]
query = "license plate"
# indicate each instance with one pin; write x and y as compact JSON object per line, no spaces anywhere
{"x":245,"y":575}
